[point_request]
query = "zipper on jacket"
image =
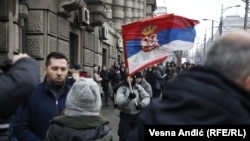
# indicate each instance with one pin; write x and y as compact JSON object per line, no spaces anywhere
{"x":57,"y":107}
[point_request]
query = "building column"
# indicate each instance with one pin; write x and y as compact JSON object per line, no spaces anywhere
{"x":118,"y":13}
{"x":128,"y":14}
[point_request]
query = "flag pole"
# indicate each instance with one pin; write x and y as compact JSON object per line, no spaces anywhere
{"x":131,"y":89}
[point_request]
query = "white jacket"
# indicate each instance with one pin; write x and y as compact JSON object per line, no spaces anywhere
{"x":129,"y":106}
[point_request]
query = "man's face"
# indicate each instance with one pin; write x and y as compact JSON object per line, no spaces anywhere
{"x":116,"y":64}
{"x":56,"y":72}
{"x":138,"y":80}
{"x":104,"y":68}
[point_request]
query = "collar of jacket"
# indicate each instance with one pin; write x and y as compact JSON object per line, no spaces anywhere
{"x":66,"y":87}
{"x":80,"y":121}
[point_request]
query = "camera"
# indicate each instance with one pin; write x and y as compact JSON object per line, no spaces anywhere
{"x":6,"y":65}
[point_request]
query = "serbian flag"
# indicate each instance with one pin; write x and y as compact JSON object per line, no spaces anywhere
{"x":147,"y":42}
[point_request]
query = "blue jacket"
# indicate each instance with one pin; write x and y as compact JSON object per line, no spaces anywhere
{"x":33,"y":117}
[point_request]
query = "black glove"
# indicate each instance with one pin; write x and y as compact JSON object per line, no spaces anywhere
{"x":6,"y":65}
{"x":138,"y":107}
{"x":131,"y":96}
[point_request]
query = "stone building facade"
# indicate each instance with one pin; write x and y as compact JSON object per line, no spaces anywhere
{"x":88,"y":32}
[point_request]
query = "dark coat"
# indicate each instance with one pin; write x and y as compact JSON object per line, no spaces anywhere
{"x":149,"y":76}
{"x":159,"y":79}
{"x":105,"y":78}
{"x":200,"y":96}
{"x":32,"y":118}
{"x":17,"y":84}
{"x":114,"y":76}
{"x":82,"y":128}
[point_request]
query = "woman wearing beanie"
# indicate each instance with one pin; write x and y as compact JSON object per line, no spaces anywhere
{"x":130,"y":101}
{"x":81,"y":120}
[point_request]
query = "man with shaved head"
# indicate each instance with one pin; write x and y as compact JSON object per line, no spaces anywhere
{"x":217,"y":92}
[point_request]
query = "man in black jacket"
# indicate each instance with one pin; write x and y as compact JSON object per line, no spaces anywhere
{"x":115,"y":78}
{"x":216,"y":93}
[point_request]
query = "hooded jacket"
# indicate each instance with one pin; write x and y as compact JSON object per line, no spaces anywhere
{"x":127,"y":105}
{"x":82,"y":128}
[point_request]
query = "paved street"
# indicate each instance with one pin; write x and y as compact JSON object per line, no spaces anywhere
{"x":110,"y":114}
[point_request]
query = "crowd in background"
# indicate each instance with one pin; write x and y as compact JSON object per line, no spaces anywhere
{"x":109,"y":78}
{"x":156,"y":75}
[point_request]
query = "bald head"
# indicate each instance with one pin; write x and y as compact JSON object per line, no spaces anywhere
{"x":230,"y":54}
{"x":237,"y":38}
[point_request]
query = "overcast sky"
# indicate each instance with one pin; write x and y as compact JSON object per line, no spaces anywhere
{"x":201,"y":9}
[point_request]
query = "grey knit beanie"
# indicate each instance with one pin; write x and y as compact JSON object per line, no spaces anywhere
{"x":83,"y":98}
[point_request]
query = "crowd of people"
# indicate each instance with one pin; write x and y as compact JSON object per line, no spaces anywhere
{"x":66,"y":105}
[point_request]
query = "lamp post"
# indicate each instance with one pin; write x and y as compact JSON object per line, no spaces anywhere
{"x":246,"y":14}
{"x":212,"y":33}
{"x":221,"y":16}
{"x":205,"y":42}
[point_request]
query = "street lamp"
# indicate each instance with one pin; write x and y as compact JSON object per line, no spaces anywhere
{"x":221,"y":15}
{"x":212,"y":33}
{"x":246,"y":13}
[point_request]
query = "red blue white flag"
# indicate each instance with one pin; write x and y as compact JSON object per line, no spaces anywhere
{"x":147,"y":42}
